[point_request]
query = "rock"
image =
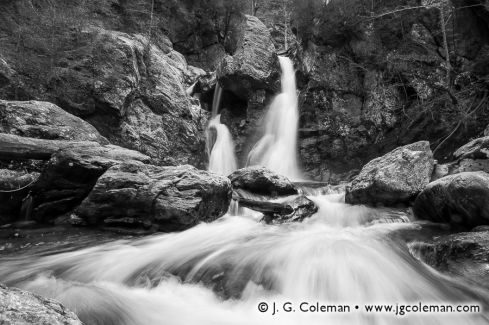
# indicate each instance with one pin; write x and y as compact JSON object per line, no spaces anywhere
{"x":262,"y":181}
{"x":14,"y":187}
{"x":45,"y":120}
{"x":254,"y":64}
{"x":382,"y":103}
{"x":461,"y":200}
{"x":169,"y":198}
{"x":19,"y":307}
{"x":396,"y":177}
{"x":71,"y":174}
{"x":475,"y":149}
{"x":299,"y":208}
{"x":462,"y":254}
{"x":135,"y":96}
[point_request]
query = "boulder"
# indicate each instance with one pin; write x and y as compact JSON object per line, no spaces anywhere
{"x":14,"y":187}
{"x":461,"y":200}
{"x":396,"y":177}
{"x":463,"y":254}
{"x":475,"y":149}
{"x":70,"y":175}
{"x":254,"y":64}
{"x":19,"y":307}
{"x":261,"y":181}
{"x":299,"y":208}
{"x":45,"y":120}
{"x":135,"y":95}
{"x":166,"y":198}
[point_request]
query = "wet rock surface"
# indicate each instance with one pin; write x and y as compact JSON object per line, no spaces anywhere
{"x":396,"y":177}
{"x":168,"y":198}
{"x":262,"y":181}
{"x":461,"y":200}
{"x":299,"y":209}
{"x":463,"y":254}
{"x":19,"y":307}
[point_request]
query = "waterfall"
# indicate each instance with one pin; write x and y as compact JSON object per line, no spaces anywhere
{"x":220,"y":146}
{"x":277,"y":149}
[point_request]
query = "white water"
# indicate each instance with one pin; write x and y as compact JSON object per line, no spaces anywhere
{"x":221,"y":159}
{"x":166,"y":279}
{"x":277,"y":149}
{"x":220,"y":146}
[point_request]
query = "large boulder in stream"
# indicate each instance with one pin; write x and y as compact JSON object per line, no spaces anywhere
{"x":261,"y":181}
{"x":19,"y":307}
{"x":254,"y":64}
{"x":461,"y":200}
{"x":45,"y":120}
{"x":166,"y":198}
{"x":394,"y":178}
{"x":70,"y":174}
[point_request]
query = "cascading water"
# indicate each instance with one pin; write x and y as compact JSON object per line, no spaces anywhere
{"x":220,"y":146}
{"x":277,"y":149}
{"x":187,"y":278}
{"x":218,"y":273}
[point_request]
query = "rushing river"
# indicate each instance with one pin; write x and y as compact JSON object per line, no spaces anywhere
{"x":218,"y":273}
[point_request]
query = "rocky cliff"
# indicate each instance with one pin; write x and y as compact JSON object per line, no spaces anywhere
{"x":370,"y":79}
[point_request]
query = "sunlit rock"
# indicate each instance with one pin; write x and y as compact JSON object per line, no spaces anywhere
{"x":19,"y":307}
{"x":45,"y":120}
{"x":396,"y":177}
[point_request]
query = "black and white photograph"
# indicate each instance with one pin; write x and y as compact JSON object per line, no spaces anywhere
{"x":244,"y":162}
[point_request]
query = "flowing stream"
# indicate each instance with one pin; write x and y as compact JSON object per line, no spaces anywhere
{"x":218,"y":273}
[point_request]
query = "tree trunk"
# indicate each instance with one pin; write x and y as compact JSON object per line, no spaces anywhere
{"x":445,"y":43}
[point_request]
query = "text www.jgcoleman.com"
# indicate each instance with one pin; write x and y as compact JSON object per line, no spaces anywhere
{"x":397,"y":309}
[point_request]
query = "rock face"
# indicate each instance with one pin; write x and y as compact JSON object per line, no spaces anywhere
{"x":70,"y":175}
{"x":396,"y":177}
{"x":262,"y":181}
{"x":461,"y":200}
{"x":471,"y":157}
{"x":475,"y":149}
{"x":45,"y":121}
{"x":135,"y":95}
{"x":18,"y":307}
{"x":462,"y":254}
{"x":254,"y":63}
{"x":168,"y":198}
